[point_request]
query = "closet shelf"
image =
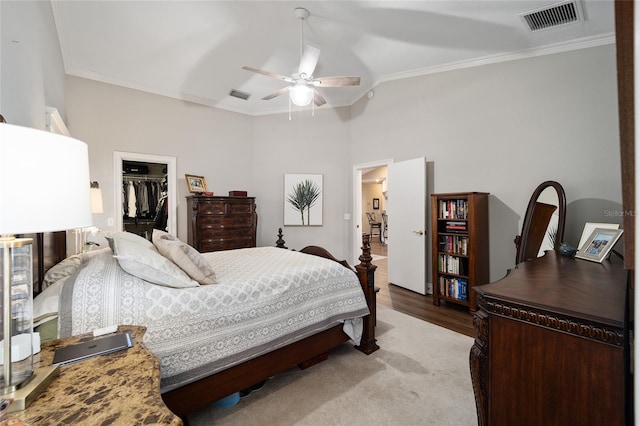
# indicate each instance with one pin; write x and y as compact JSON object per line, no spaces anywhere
{"x":128,"y":177}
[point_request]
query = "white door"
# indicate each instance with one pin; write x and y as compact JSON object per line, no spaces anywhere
{"x":407,"y":230}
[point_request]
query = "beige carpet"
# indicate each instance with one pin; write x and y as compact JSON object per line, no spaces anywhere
{"x":419,"y":376}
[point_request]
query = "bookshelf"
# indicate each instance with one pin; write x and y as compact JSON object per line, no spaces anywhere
{"x":460,"y":246}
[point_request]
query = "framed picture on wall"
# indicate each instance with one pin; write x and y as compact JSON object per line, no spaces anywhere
{"x":303,"y":199}
{"x":196,"y":184}
{"x":376,"y":203}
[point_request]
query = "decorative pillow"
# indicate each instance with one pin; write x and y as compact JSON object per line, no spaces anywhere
{"x":187,"y":258}
{"x":61,"y":270}
{"x":67,"y":267}
{"x":158,"y":234}
{"x":146,"y":263}
{"x":128,"y":236}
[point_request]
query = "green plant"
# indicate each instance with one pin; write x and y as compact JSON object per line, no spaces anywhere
{"x":552,"y":231}
{"x":303,"y":196}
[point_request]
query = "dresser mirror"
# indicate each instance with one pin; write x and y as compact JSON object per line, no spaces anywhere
{"x":543,"y":225}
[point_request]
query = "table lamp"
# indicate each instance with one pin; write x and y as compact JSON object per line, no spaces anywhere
{"x":43,"y":187}
{"x":82,"y":244}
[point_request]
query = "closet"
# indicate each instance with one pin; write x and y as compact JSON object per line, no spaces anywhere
{"x":144,"y":197}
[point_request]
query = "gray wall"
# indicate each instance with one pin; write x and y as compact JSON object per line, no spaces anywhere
{"x":306,"y":144}
{"x":205,"y":141}
{"x":501,"y":128}
{"x":31,"y":68}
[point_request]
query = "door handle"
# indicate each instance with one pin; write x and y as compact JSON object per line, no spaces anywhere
{"x":418,"y":232}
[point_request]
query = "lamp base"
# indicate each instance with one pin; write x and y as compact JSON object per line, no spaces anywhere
{"x":24,"y":396}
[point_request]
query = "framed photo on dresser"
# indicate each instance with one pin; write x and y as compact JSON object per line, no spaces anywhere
{"x":599,"y":244}
{"x":196,"y":184}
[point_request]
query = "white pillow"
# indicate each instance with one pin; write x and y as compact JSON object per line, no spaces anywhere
{"x":144,"y":262}
{"x":187,"y":258}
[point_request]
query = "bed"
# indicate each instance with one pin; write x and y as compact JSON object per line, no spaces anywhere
{"x":252,"y":308}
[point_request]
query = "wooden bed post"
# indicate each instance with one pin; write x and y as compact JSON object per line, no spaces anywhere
{"x":365,"y":272}
{"x":280,"y":242}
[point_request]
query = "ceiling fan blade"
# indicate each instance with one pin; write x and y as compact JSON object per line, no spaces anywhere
{"x":269,"y":74}
{"x":335,"y":81}
{"x":309,"y":60}
{"x":318,"y":99}
{"x":276,"y":93}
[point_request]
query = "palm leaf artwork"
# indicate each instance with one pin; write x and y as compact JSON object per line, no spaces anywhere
{"x":303,"y":196}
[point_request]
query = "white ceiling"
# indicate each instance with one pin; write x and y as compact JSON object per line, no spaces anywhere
{"x":194,"y":50}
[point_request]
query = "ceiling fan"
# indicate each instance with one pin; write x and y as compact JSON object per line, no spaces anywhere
{"x":303,"y":84}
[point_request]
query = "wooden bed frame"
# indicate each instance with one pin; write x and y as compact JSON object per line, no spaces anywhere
{"x":50,"y":248}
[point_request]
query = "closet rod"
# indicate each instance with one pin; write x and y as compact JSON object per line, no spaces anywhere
{"x":142,"y":177}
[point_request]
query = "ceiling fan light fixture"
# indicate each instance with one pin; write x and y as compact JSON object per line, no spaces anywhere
{"x":301,"y":94}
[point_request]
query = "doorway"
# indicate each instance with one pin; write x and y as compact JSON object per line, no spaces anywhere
{"x":407,"y":245}
{"x":361,"y":224}
{"x":374,"y":206}
{"x":147,"y":198}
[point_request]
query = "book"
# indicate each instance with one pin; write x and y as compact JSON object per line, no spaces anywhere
{"x":90,"y":348}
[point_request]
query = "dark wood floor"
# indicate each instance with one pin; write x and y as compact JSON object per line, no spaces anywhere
{"x":452,"y":316}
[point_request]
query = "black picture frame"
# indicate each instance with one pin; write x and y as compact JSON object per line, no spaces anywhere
{"x":376,"y":203}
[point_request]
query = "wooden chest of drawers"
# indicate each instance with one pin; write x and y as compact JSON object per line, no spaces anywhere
{"x":221,"y":223}
{"x":552,"y":346}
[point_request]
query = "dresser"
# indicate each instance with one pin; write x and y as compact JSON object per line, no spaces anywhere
{"x":221,"y":223}
{"x":551,"y":346}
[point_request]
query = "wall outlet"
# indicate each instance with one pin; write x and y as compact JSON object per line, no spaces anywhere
{"x":110,"y":221}
{"x":347,"y":216}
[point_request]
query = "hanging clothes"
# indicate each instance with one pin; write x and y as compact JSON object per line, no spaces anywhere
{"x":162,"y":214}
{"x":133,"y":210}
{"x":141,"y":197}
{"x":125,"y":199}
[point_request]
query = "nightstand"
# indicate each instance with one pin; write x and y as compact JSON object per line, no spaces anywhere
{"x":121,"y":388}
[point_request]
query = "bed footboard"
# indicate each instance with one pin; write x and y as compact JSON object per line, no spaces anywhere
{"x":365,"y":272}
{"x":199,"y":394}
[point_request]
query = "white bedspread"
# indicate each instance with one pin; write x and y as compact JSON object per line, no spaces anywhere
{"x":265,"y":298}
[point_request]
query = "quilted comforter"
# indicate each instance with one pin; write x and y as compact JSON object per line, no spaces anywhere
{"x":265,"y":298}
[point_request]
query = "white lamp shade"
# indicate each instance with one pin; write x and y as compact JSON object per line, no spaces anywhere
{"x":43,"y":181}
{"x":96,"y":200}
{"x":301,"y":94}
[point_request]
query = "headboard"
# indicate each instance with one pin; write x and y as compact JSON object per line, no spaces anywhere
{"x":49,"y":248}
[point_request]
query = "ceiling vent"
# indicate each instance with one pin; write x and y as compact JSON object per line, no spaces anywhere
{"x":238,"y":94}
{"x":564,"y":13}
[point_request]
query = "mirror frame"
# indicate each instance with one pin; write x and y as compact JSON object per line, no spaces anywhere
{"x":523,"y":239}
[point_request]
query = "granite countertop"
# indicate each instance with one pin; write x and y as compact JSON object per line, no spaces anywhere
{"x":121,"y":388}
